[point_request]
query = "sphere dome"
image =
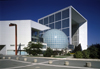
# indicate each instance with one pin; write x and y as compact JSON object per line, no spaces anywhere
{"x":55,"y":39}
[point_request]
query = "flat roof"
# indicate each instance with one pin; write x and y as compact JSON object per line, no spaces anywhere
{"x":76,"y":16}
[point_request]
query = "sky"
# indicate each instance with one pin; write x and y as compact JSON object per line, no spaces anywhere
{"x":35,"y":9}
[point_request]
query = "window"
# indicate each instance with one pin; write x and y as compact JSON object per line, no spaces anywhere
{"x":65,"y":23}
{"x":66,"y":31}
{"x":34,"y":40}
{"x":40,"y":31}
{"x":51,"y":18}
{"x":45,"y":20}
{"x":51,"y":26}
{"x":17,"y":45}
{"x":40,"y":35}
{"x":41,"y":21}
{"x":45,"y":31}
{"x":65,"y":13}
{"x":58,"y":25}
{"x":58,"y":16}
{"x":47,"y":25}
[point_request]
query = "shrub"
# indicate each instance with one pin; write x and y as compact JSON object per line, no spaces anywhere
{"x":86,"y":54}
{"x":48,"y":52}
{"x":68,"y":54}
{"x":78,"y":54}
{"x":93,"y":52}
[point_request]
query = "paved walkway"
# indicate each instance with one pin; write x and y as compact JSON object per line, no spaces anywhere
{"x":42,"y":63}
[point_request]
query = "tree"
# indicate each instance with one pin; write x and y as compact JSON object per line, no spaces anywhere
{"x":78,"y":54}
{"x":93,"y":51}
{"x":86,"y":53}
{"x":77,"y":48}
{"x":33,"y":48}
{"x":48,"y":52}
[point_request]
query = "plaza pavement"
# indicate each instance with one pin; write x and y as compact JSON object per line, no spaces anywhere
{"x":42,"y":63}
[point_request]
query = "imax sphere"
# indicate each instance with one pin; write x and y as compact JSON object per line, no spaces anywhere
{"x":55,"y":39}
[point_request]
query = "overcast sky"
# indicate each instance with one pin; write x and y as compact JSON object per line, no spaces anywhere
{"x":35,"y":9}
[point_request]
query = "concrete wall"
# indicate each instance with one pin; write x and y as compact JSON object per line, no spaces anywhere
{"x":39,"y":26}
{"x":83,"y":35}
{"x":7,"y":34}
{"x":75,"y":34}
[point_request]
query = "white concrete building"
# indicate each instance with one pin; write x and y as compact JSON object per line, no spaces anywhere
{"x":25,"y":33}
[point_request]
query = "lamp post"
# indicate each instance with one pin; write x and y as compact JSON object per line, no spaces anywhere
{"x":11,"y":24}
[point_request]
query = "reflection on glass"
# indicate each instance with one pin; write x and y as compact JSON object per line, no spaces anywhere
{"x":55,"y":39}
{"x":51,"y":26}
{"x":58,"y":16}
{"x":41,"y":21}
{"x":66,"y":31}
{"x":47,"y":25}
{"x":45,"y":20}
{"x":65,"y":23}
{"x":65,"y":13}
{"x":51,"y":18}
{"x":58,"y":25}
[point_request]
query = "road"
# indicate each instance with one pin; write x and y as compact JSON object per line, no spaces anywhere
{"x":42,"y":63}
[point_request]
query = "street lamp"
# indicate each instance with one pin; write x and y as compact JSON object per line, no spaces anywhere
{"x":11,"y":24}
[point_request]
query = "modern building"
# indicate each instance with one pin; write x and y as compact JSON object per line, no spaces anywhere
{"x":72,"y":26}
{"x":55,"y":39}
{"x":27,"y":30}
{"x":71,"y":22}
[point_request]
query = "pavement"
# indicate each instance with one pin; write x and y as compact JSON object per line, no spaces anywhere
{"x":42,"y":63}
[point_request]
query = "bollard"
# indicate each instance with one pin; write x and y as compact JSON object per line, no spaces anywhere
{"x":88,"y":64}
{"x":50,"y":62}
{"x":35,"y":60}
{"x":17,"y":58}
{"x":66,"y":63}
{"x":25,"y":59}
{"x":9,"y":57}
{"x":3,"y":57}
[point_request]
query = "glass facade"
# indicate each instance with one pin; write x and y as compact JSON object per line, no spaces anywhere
{"x":59,"y":20}
{"x":66,"y":31}
{"x":41,"y":21}
{"x":35,"y":36}
{"x":55,"y":39}
{"x":58,"y":16}
{"x":65,"y":13}
{"x":45,"y":21}
{"x":51,"y":18}
{"x":65,"y":23}
{"x":51,"y":26}
{"x":58,"y":25}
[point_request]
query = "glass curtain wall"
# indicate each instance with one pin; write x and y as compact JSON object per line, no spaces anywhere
{"x":58,"y":20}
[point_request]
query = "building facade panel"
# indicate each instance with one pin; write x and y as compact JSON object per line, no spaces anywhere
{"x":83,"y":35}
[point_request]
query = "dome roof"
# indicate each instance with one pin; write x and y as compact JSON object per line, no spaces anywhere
{"x":55,"y":39}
